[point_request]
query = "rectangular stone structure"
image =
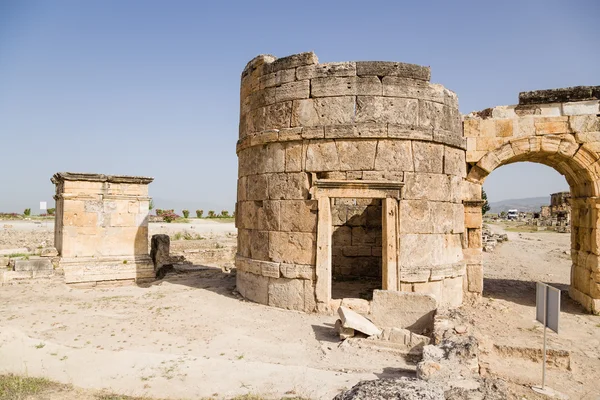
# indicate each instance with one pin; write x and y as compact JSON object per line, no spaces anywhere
{"x":101,"y":227}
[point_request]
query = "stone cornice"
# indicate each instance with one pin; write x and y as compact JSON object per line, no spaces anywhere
{"x":77,"y":176}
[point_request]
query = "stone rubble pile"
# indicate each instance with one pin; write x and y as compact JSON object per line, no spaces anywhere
{"x":490,"y":240}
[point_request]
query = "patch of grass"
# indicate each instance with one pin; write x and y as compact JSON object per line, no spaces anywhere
{"x":15,"y":255}
{"x":223,"y":219}
{"x":15,"y":387}
{"x":40,"y":346}
{"x":177,"y":236}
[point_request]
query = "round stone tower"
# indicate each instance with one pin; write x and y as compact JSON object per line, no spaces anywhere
{"x":349,"y":181}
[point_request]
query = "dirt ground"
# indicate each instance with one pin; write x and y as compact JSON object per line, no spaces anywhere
{"x":192,"y":336}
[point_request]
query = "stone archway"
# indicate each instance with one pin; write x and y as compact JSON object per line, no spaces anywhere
{"x":561,"y":129}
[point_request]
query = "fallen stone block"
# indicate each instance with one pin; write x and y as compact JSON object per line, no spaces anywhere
{"x":4,"y":261}
{"x":40,"y":264}
{"x":49,"y":252}
{"x":344,"y":333}
{"x":351,"y":319}
{"x":412,"y":311}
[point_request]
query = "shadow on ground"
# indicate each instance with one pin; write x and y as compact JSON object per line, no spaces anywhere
{"x":523,"y":292}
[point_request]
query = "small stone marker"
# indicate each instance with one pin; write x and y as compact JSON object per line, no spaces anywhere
{"x":354,"y":320}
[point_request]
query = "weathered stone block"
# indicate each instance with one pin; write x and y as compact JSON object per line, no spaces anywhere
{"x":356,"y":155}
{"x":454,"y":162}
{"x":288,"y":186}
{"x":258,"y":187}
{"x":160,"y":248}
{"x":323,"y":111}
{"x":428,"y":157}
{"x":393,"y":110}
{"x":259,"y":244}
{"x":33,"y":264}
{"x":326,"y":70}
{"x":475,"y":278}
{"x":394,"y":155}
{"x":277,"y":78}
{"x":286,"y":293}
{"x":292,"y":247}
{"x":299,"y":216}
{"x":353,"y":320}
{"x":415,"y":216}
{"x":266,"y":216}
{"x":383,"y":68}
{"x":297,"y":271}
{"x":413,"y":311}
{"x":394,"y":86}
{"x":293,"y":91}
{"x":346,"y":86}
{"x":422,"y":186}
{"x":253,"y":287}
{"x":322,"y":156}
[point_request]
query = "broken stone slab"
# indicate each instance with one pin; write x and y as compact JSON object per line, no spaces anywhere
{"x":49,"y":252}
{"x":344,"y":333}
{"x":354,"y":320}
{"x":160,"y":247}
{"x":394,"y":388}
{"x":4,"y":261}
{"x":41,"y":264}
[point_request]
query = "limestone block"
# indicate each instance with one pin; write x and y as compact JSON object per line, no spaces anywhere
{"x":432,"y":288}
{"x":46,"y":252}
{"x":422,"y":186}
{"x":346,"y":86}
{"x":471,"y":128}
{"x":415,"y":216}
{"x":551,"y":125}
{"x":286,"y":293}
{"x":489,"y":162}
{"x":289,"y":134}
{"x":292,"y":247}
{"x":277,"y":78}
{"x":412,"y":311}
{"x":356,"y":155}
{"x":451,"y":138}
{"x":266,"y":216}
{"x":434,"y":115}
{"x":475,"y":278}
{"x":409,"y":132}
{"x":501,"y":112}
{"x":504,"y":127}
{"x":288,"y":186}
{"x":428,"y":157}
{"x":297,"y":271}
{"x":352,"y":319}
{"x":362,"y":236}
{"x":344,"y":333}
{"x":243,"y":242}
{"x":442,"y":217}
{"x":452,"y":291}
{"x":370,"y":129}
{"x":276,"y":116}
{"x":253,"y":287}
{"x":584,"y":137}
{"x":269,"y":269}
{"x":322,"y":156}
{"x":417,"y":250}
{"x":313,"y":132}
{"x":258,"y":187}
{"x":584,"y":123}
{"x":299,"y":216}
{"x":259,"y":245}
{"x":454,"y":162}
{"x":393,"y":110}
{"x":580,"y":279}
{"x":323,"y":111}
{"x":293,"y":157}
{"x":326,"y":70}
{"x":473,"y":217}
{"x":394,"y":155}
{"x":394,"y":86}
{"x":293,"y":91}
{"x":33,"y":264}
{"x":581,"y":108}
{"x":295,"y":60}
{"x":383,"y":68}
{"x":341,"y":131}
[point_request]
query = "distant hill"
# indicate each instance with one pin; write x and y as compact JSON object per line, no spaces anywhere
{"x":525,"y":205}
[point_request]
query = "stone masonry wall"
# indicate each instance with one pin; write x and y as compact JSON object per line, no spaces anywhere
{"x":301,"y":121}
{"x":357,"y":238}
{"x":101,"y":230}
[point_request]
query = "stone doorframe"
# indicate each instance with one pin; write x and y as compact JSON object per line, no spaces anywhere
{"x":324,"y":190}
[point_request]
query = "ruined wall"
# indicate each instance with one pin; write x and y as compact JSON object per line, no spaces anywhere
{"x":559,"y":128}
{"x":300,"y":122}
{"x":101,"y":228}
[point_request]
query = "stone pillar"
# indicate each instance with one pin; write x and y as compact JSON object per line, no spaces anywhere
{"x":323,"y":267}
{"x":390,"y":244}
{"x":473,"y":251}
{"x":101,"y":228}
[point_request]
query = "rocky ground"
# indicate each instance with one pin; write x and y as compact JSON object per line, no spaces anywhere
{"x":191,"y":335}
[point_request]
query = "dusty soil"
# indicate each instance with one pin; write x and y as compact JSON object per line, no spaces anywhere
{"x":506,"y":315}
{"x":191,"y":335}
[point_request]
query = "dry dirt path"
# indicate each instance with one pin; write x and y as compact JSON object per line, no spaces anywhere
{"x":506,"y":314}
{"x":184,"y":338}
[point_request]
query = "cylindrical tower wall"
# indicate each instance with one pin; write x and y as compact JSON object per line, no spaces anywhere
{"x":301,"y":121}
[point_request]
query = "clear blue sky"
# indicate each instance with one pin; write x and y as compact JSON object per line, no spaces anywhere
{"x":152,"y":87}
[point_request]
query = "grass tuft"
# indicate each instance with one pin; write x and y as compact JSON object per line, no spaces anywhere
{"x":15,"y":387}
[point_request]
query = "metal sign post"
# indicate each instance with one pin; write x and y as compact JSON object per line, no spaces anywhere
{"x":547,"y":311}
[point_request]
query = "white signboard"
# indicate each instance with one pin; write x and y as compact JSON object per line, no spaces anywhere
{"x":547,"y":305}
{"x":43,"y":205}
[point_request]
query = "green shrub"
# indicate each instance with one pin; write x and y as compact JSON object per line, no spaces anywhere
{"x":225,"y":214}
{"x":169,"y":216}
{"x":159,"y":212}
{"x":186,"y":213}
{"x":211,"y":214}
{"x":27,"y":212}
{"x":199,"y":213}
{"x":51,"y":211}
